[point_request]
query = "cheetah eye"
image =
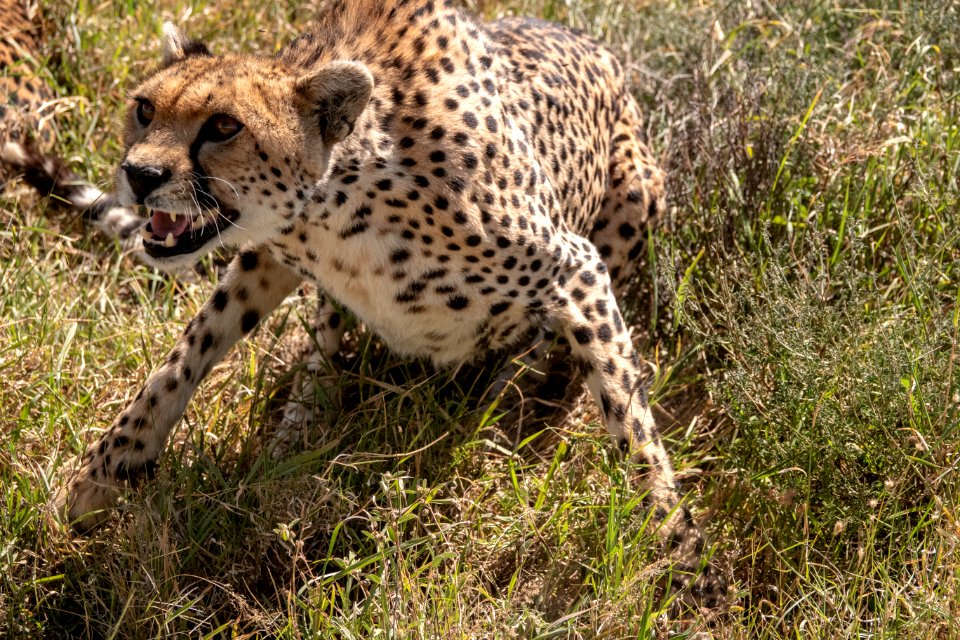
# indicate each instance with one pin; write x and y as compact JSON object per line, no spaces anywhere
{"x":145,"y":111}
{"x":221,"y":127}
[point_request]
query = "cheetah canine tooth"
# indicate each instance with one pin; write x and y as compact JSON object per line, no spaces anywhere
{"x":170,"y":241}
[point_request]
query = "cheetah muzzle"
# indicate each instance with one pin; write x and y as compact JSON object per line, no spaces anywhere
{"x":458,"y":186}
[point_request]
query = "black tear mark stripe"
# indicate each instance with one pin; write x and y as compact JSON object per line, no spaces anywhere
{"x":202,"y":192}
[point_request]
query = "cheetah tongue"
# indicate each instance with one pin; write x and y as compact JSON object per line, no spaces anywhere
{"x":162,"y":224}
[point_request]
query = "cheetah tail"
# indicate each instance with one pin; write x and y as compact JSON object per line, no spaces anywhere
{"x":49,"y":176}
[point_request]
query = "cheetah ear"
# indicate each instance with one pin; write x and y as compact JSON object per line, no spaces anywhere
{"x":333,"y":98}
{"x":177,"y":46}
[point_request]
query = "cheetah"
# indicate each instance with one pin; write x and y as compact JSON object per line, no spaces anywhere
{"x":27,"y":106}
{"x":457,"y":186}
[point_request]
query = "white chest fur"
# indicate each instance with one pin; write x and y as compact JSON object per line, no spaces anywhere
{"x":361,"y":271}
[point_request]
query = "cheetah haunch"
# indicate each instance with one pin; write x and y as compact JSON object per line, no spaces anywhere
{"x":457,"y":186}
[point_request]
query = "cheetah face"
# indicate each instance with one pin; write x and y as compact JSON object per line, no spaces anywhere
{"x":189,"y":208}
{"x":225,"y":150}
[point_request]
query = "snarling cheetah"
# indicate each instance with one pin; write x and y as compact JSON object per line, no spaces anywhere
{"x":458,"y":186}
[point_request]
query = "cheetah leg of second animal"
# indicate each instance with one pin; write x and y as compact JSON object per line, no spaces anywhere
{"x":584,"y":307}
{"x":322,"y":344}
{"x":254,"y":285}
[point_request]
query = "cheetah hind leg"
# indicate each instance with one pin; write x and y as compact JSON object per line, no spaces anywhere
{"x":634,"y":203}
{"x":314,"y":377}
{"x":588,"y":314}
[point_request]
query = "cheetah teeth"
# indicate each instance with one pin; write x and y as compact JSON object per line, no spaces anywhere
{"x":146,"y":235}
{"x":170,"y":241}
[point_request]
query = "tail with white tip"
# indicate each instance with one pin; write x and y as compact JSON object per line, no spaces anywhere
{"x":49,"y":176}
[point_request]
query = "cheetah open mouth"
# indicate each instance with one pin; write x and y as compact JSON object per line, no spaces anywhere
{"x":169,"y":234}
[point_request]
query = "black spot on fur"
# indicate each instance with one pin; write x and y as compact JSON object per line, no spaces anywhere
{"x":583,"y":335}
{"x":249,"y":320}
{"x":220,"y":299}
{"x":249,"y":260}
{"x":458,"y":302}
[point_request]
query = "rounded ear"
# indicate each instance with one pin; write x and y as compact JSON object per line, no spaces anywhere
{"x":177,"y":46}
{"x":334,"y":97}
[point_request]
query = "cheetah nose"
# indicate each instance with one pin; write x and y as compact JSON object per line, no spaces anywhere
{"x":144,"y":179}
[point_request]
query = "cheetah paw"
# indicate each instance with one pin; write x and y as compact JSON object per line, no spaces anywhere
{"x":699,"y":591}
{"x":83,"y":503}
{"x":297,"y":418}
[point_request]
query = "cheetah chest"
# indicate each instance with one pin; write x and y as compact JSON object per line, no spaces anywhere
{"x":420,"y":307}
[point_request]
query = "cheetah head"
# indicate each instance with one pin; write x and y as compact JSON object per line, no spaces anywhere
{"x":224,"y":150}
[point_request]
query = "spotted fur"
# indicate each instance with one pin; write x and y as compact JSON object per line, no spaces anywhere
{"x":458,"y":186}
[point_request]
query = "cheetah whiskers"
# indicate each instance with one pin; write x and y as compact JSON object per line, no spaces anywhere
{"x":194,"y":184}
{"x":236,"y":193}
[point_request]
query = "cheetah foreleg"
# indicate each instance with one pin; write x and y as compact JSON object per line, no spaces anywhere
{"x":254,"y":285}
{"x":322,"y":344}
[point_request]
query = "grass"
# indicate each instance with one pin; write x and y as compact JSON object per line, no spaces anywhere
{"x":801,"y":305}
